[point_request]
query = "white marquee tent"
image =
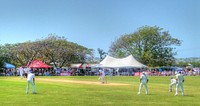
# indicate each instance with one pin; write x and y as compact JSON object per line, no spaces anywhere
{"x":128,"y":61}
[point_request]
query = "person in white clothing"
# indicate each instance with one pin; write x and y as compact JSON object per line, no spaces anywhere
{"x":31,"y":80}
{"x":21,"y":72}
{"x":102,"y":74}
{"x":99,"y":74}
{"x":180,"y":80}
{"x":143,"y":81}
{"x":111,"y":73}
{"x":173,"y":82}
{"x":26,"y":70}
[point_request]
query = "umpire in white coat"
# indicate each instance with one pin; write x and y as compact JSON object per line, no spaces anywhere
{"x":143,"y":81}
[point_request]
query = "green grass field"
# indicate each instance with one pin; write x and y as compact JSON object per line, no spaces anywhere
{"x":69,"y":91}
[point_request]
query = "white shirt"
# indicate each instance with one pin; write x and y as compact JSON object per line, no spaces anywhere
{"x":30,"y":77}
{"x":179,"y":78}
{"x":102,"y":72}
{"x":21,"y":70}
{"x":144,"y":78}
{"x":26,"y":70}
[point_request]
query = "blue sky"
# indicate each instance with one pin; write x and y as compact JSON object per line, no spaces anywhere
{"x":97,"y":23}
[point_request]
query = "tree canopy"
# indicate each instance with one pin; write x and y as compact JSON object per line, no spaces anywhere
{"x":102,"y":54}
{"x":149,"y":44}
{"x":52,"y":49}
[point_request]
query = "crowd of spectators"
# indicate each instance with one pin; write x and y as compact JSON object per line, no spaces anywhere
{"x":116,"y":72}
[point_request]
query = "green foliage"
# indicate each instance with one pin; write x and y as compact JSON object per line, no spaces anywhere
{"x":4,"y":55}
{"x":61,"y":52}
{"x":150,"y":45}
{"x":102,"y":54}
{"x":24,"y":53}
{"x":52,"y":49}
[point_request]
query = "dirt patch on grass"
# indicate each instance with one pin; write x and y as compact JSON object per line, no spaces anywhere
{"x":78,"y":82}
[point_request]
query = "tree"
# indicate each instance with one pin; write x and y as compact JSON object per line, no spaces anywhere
{"x":52,"y":49}
{"x":61,"y":52}
{"x":101,"y":53}
{"x":4,"y":55}
{"x":150,"y":45}
{"x":24,"y":53}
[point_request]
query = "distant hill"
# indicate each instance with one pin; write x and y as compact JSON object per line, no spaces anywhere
{"x":191,"y":59}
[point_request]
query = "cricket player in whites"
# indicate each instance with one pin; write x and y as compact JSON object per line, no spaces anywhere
{"x":111,"y":73}
{"x":173,"y":82}
{"x":99,"y":74}
{"x":102,"y":74}
{"x":21,"y":72}
{"x":179,"y":80}
{"x":143,"y":81}
{"x":31,"y":80}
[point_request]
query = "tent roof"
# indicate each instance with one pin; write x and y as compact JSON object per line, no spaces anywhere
{"x":128,"y":61}
{"x":94,"y":65}
{"x":8,"y":65}
{"x":38,"y":64}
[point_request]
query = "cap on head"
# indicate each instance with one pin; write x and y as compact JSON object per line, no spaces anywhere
{"x":143,"y":72}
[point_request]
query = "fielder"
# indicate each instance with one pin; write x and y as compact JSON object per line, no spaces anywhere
{"x":143,"y":81}
{"x":21,"y":72}
{"x":180,"y":80}
{"x":173,"y":82}
{"x":102,"y":74}
{"x":99,"y":74}
{"x":31,"y":80}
